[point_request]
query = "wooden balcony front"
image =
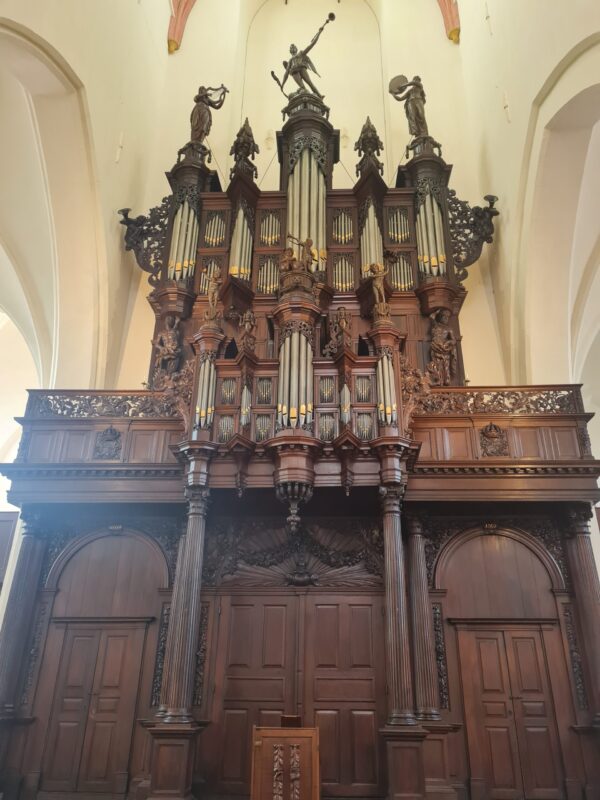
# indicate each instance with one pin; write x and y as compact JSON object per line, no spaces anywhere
{"x":475,"y":443}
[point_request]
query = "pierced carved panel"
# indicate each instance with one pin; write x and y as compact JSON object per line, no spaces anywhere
{"x":324,"y":553}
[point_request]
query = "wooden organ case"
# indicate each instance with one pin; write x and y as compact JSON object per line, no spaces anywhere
{"x":306,"y":512}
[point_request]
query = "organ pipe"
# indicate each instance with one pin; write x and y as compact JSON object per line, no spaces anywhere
{"x":431,"y":249}
{"x":207,"y":384}
{"x":306,"y":202}
{"x":240,"y":260}
{"x":387,"y":410}
{"x":371,"y":245}
{"x":295,"y":382}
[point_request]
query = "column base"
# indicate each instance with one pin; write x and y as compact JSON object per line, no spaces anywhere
{"x":405,"y":765}
{"x":172,"y":759}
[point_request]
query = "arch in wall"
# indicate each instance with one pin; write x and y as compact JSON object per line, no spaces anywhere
{"x":554,"y":247}
{"x":108,"y":573}
{"x":49,"y":218}
{"x":504,"y":573}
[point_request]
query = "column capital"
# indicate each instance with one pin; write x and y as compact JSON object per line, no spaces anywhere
{"x":578,"y":519}
{"x":391,"y":497}
{"x":415,"y":525}
{"x":198,"y":498}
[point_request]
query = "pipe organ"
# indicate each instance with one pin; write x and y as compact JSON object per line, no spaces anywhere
{"x":333,"y":386}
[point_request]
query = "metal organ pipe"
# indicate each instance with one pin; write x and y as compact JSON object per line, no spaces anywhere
{"x":302,"y":382}
{"x":294,"y":369}
{"x":174,"y":242}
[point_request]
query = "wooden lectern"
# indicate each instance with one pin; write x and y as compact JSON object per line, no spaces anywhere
{"x":285,"y":764}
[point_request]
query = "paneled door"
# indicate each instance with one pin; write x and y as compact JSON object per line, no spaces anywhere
{"x":509,"y":712}
{"x":254,"y":682}
{"x":344,"y":690}
{"x":320,"y":656}
{"x":94,"y":706}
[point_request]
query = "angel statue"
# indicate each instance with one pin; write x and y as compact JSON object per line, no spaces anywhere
{"x":300,"y":63}
{"x":201,"y":118}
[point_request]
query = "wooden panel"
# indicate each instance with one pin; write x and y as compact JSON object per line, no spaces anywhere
{"x":496,"y":576}
{"x":528,"y":442}
{"x":564,"y":442}
{"x":328,"y":723}
{"x":427,"y":439}
{"x":457,"y":443}
{"x":364,"y":747}
{"x":43,"y":446}
{"x":113,"y":575}
{"x":143,"y":446}
{"x":75,"y":446}
{"x":327,"y":634}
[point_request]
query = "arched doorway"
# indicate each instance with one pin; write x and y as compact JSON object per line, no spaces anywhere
{"x":95,"y":677}
{"x":501,"y":603}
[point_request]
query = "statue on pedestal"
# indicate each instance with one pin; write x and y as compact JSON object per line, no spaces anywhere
{"x":310,"y":255}
{"x":442,"y":366}
{"x":413,"y":94}
{"x":201,"y":118}
{"x":168,"y":346}
{"x":212,"y":293}
{"x":299,"y":64}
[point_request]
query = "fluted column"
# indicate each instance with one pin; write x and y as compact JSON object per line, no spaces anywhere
{"x":399,"y":680}
{"x":184,"y":624}
{"x":17,"y":618}
{"x":586,"y":586}
{"x":426,"y":685}
{"x":175,"y":602}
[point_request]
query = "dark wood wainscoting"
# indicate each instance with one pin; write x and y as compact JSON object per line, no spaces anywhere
{"x":513,"y":742}
{"x":319,"y":655}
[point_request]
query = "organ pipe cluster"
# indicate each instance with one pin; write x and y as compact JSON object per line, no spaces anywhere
{"x":387,"y":410}
{"x":295,"y":384}
{"x":184,"y":243}
{"x":207,"y":384}
{"x":371,"y":245}
{"x":306,"y":201}
{"x":240,"y":259}
{"x":345,"y":408}
{"x":431,"y":251}
{"x":214,"y":234}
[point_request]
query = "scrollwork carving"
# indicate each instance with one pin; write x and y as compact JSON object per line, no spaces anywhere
{"x":565,"y":400}
{"x":316,"y":145}
{"x":263,"y":553}
{"x":575,"y":656}
{"x":146,"y":236}
{"x":440,"y":656}
{"x":159,"y":662}
{"x":201,"y":655}
{"x":470,"y":228}
{"x":296,"y":325}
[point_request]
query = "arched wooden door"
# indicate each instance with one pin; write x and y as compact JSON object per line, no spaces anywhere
{"x":106,"y":594}
{"x":501,"y":593}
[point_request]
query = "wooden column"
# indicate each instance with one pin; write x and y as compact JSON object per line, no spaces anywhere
{"x":584,"y":576}
{"x":175,"y":603}
{"x":399,"y":679}
{"x":426,"y":685}
{"x":184,"y":623}
{"x":17,"y":619}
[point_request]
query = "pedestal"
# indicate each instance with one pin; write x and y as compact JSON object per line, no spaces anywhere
{"x":404,"y":754}
{"x":172,"y":762}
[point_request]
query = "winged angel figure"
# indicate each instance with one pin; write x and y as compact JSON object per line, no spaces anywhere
{"x":299,"y":65}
